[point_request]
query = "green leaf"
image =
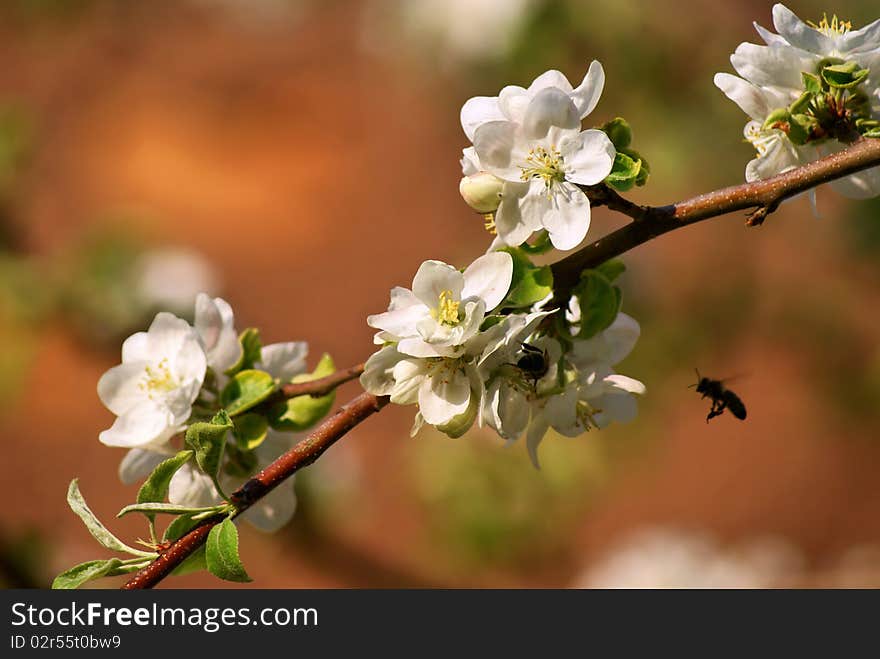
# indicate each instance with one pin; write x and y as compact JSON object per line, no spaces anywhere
{"x":612,"y":269}
{"x":812,"y":83}
{"x":208,"y":441}
{"x":193,"y":563}
{"x":778,"y":116}
{"x":599,"y":302}
{"x":801,"y":104}
{"x":800,"y":128}
{"x":624,"y":172}
{"x":530,"y":283}
{"x":221,"y":553}
{"x":844,"y":76}
{"x":84,"y":572}
{"x":302,"y":412}
{"x":155,"y":488}
{"x":251,"y":350}
{"x":166,"y":508}
{"x":245,"y":390}
{"x":619,"y":132}
{"x":874,"y":132}
{"x":179,"y":526}
{"x":99,"y":532}
{"x":250,"y":430}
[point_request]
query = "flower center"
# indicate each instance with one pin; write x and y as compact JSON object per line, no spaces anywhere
{"x":544,"y":164}
{"x":760,"y":139}
{"x":447,"y":309}
{"x":159,"y":379}
{"x":833,"y":28}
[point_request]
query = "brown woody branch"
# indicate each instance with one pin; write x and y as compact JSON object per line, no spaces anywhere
{"x":303,"y":454}
{"x":648,"y":223}
{"x":763,"y":196}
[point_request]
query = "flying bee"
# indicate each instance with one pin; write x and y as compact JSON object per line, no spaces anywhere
{"x":722,"y":398}
{"x":534,"y":363}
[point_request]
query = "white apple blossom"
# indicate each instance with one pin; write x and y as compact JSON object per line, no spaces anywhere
{"x":445,"y":307}
{"x":543,"y":160}
{"x":771,"y":79}
{"x":215,"y":323}
{"x":153,"y":390}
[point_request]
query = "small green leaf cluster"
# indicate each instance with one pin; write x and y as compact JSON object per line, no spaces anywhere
{"x":630,"y":167}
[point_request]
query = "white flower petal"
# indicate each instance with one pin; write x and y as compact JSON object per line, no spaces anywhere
{"x":477,"y":111}
{"x":274,"y":510}
{"x":624,"y":383}
{"x":444,"y":396}
{"x":140,"y":426}
{"x":547,"y":79}
{"x":284,"y":360}
{"x":568,"y":219}
{"x":193,"y":488}
{"x":500,"y":150}
{"x":747,"y":96}
{"x":138,"y":464}
{"x":516,"y":219}
{"x":434,"y":278}
{"x":136,"y":348}
{"x":488,"y":278}
{"x":587,"y":94}
{"x":513,"y":101}
{"x":535,"y":435}
{"x":550,"y":108}
{"x":588,"y":157}
{"x":798,"y":33}
{"x":120,"y":388}
{"x":774,"y":66}
{"x":415,"y":347}
{"x":862,"y":185}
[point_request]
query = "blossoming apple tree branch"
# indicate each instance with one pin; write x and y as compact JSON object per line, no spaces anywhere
{"x":648,"y":223}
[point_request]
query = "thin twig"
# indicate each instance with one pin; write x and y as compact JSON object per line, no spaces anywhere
{"x":303,"y":454}
{"x":319,"y":387}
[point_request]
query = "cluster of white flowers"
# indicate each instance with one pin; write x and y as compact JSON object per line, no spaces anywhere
{"x":809,"y":92}
{"x":448,"y":348}
{"x":529,"y":156}
{"x":170,"y":377}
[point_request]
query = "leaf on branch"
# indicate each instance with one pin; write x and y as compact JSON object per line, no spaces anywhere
{"x":530,"y":283}
{"x":193,"y":563}
{"x":84,"y":572}
{"x":178,"y":527}
{"x":221,"y":553}
{"x":245,"y":390}
{"x":155,"y":488}
{"x":599,"y":302}
{"x":208,"y":442}
{"x":612,"y":269}
{"x":619,"y":132}
{"x":250,"y":430}
{"x":251,"y":350}
{"x":302,"y":412}
{"x":166,"y":508}
{"x":99,"y":532}
{"x":624,"y":173}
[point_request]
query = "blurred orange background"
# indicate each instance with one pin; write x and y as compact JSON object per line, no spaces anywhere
{"x":308,"y":152}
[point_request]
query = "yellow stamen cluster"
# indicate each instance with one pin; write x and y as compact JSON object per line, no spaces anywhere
{"x":489,"y":223}
{"x":447,"y":309}
{"x":544,"y":164}
{"x":834,"y":27}
{"x":159,"y":379}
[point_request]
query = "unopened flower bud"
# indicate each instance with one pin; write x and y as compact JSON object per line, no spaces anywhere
{"x":481,"y":191}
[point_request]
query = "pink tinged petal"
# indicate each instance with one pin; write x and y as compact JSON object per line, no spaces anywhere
{"x":624,"y":383}
{"x":140,"y":426}
{"x":488,"y":278}
{"x":773,"y":66}
{"x":513,"y":101}
{"x":274,"y":510}
{"x":497,"y":146}
{"x":550,"y":108}
{"x":798,"y":33}
{"x":477,"y":111}
{"x":434,"y":278}
{"x":588,"y":157}
{"x":587,"y":94}
{"x":136,"y":348}
{"x":568,"y":220}
{"x":138,"y":464}
{"x":444,"y":396}
{"x":535,"y":435}
{"x":120,"y":388}
{"x":749,"y":98}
